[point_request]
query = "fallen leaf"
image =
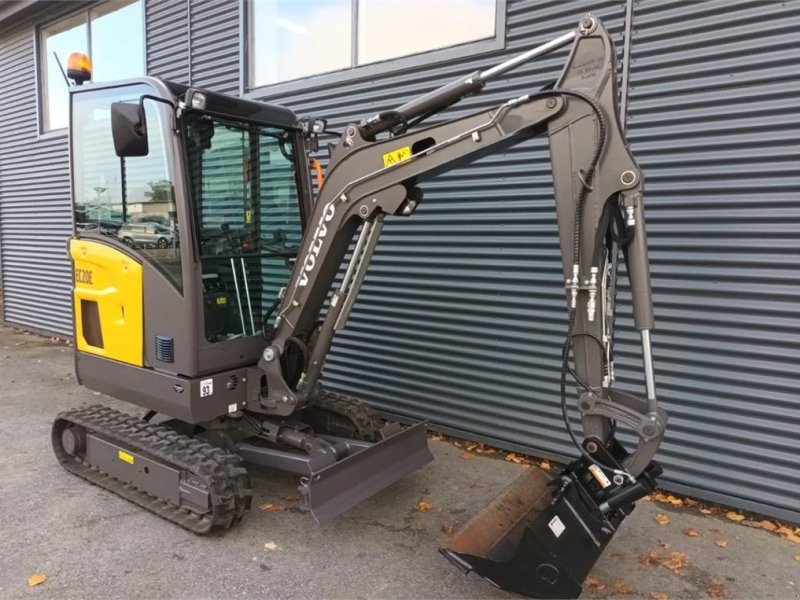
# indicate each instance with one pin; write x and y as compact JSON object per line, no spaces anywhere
{"x":659,"y":596}
{"x":95,"y":393}
{"x":271,"y":546}
{"x":706,"y":511}
{"x":661,"y":519}
{"x":793,"y":538}
{"x":292,"y":498}
{"x":466,"y":456}
{"x":784,"y":530}
{"x":797,"y":557}
{"x":676,"y":561}
{"x":734,"y":516}
{"x":691,"y":532}
{"x":457,"y":444}
{"x":690,"y":502}
{"x":617,"y":555}
{"x":722,"y":543}
{"x":447,"y":529}
{"x":674,"y":501}
{"x":664,"y":544}
{"x":271,"y":507}
{"x":544,"y":465}
{"x":769,"y":526}
{"x":623,"y":586}
{"x":424,"y":505}
{"x":593,"y":583}
{"x":472,"y":446}
{"x":437,"y":437}
{"x":715,"y":590}
{"x":651,"y":558}
{"x":36,"y":579}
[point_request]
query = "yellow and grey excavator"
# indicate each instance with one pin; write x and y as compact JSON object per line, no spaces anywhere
{"x":206,"y":292}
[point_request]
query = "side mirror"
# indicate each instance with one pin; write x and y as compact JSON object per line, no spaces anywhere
{"x":129,"y":129}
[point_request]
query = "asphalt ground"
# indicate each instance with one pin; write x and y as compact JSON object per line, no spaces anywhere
{"x":92,"y":544}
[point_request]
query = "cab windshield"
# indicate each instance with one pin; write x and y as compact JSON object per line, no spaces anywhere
{"x":247,"y":213}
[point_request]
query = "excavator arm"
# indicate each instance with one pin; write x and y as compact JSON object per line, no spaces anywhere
{"x":598,"y":193}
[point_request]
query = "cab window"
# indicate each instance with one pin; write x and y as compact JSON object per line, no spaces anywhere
{"x":131,"y":199}
{"x":248,"y":219}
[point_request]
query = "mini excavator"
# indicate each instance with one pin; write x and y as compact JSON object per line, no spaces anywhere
{"x":212,"y":270}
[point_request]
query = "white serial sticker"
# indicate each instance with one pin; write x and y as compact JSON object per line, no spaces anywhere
{"x":206,"y":387}
{"x":556,"y":526}
{"x":232,"y":408}
{"x":600,"y":476}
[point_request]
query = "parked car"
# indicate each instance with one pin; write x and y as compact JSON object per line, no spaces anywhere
{"x":146,"y":235}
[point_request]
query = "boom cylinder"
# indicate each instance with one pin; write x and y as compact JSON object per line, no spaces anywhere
{"x":442,"y":97}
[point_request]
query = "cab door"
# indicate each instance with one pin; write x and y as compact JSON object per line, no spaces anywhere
{"x":128,"y":295}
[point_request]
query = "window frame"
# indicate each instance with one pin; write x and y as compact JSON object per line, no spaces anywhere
{"x":373,"y":69}
{"x":40,"y":59}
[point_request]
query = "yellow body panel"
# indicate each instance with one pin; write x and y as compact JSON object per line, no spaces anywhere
{"x":113,"y":280}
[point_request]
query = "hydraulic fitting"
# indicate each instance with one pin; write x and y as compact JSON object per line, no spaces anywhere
{"x":573,"y":286}
{"x":591,"y":306}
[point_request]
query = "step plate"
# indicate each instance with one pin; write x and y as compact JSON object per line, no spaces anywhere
{"x":345,"y":484}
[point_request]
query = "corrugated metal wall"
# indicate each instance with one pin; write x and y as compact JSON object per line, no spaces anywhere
{"x":462,"y":316}
{"x":167,"y":39}
{"x":714,"y":120}
{"x":35,"y":219}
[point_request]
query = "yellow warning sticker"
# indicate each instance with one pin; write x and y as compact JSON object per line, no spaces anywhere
{"x":396,"y":156}
{"x":222,"y":300}
{"x":125,"y":457}
{"x":599,"y":476}
{"x":248,"y":216}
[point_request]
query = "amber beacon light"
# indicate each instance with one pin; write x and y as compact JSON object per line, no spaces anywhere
{"x":79,"y":67}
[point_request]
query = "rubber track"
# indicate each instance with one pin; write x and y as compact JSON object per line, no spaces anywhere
{"x":221,"y":472}
{"x":365,"y":418}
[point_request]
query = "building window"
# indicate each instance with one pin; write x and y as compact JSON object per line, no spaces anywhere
{"x":291,"y":39}
{"x":111,"y":33}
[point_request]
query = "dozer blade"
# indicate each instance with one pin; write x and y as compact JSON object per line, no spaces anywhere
{"x":348,"y":482}
{"x":533,"y":541}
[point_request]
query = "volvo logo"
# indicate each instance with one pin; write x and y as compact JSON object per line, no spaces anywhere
{"x":320,"y":233}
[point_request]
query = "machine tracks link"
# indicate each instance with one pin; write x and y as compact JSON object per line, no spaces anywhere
{"x":213,"y":471}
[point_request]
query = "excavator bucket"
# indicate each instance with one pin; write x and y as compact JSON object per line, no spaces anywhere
{"x":541,"y":537}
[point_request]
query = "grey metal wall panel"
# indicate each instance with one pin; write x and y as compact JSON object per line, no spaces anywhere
{"x":714,"y":120}
{"x":34,"y":197}
{"x":167,"y":27}
{"x":215,"y":45}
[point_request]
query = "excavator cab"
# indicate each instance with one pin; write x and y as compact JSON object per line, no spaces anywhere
{"x":209,"y":204}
